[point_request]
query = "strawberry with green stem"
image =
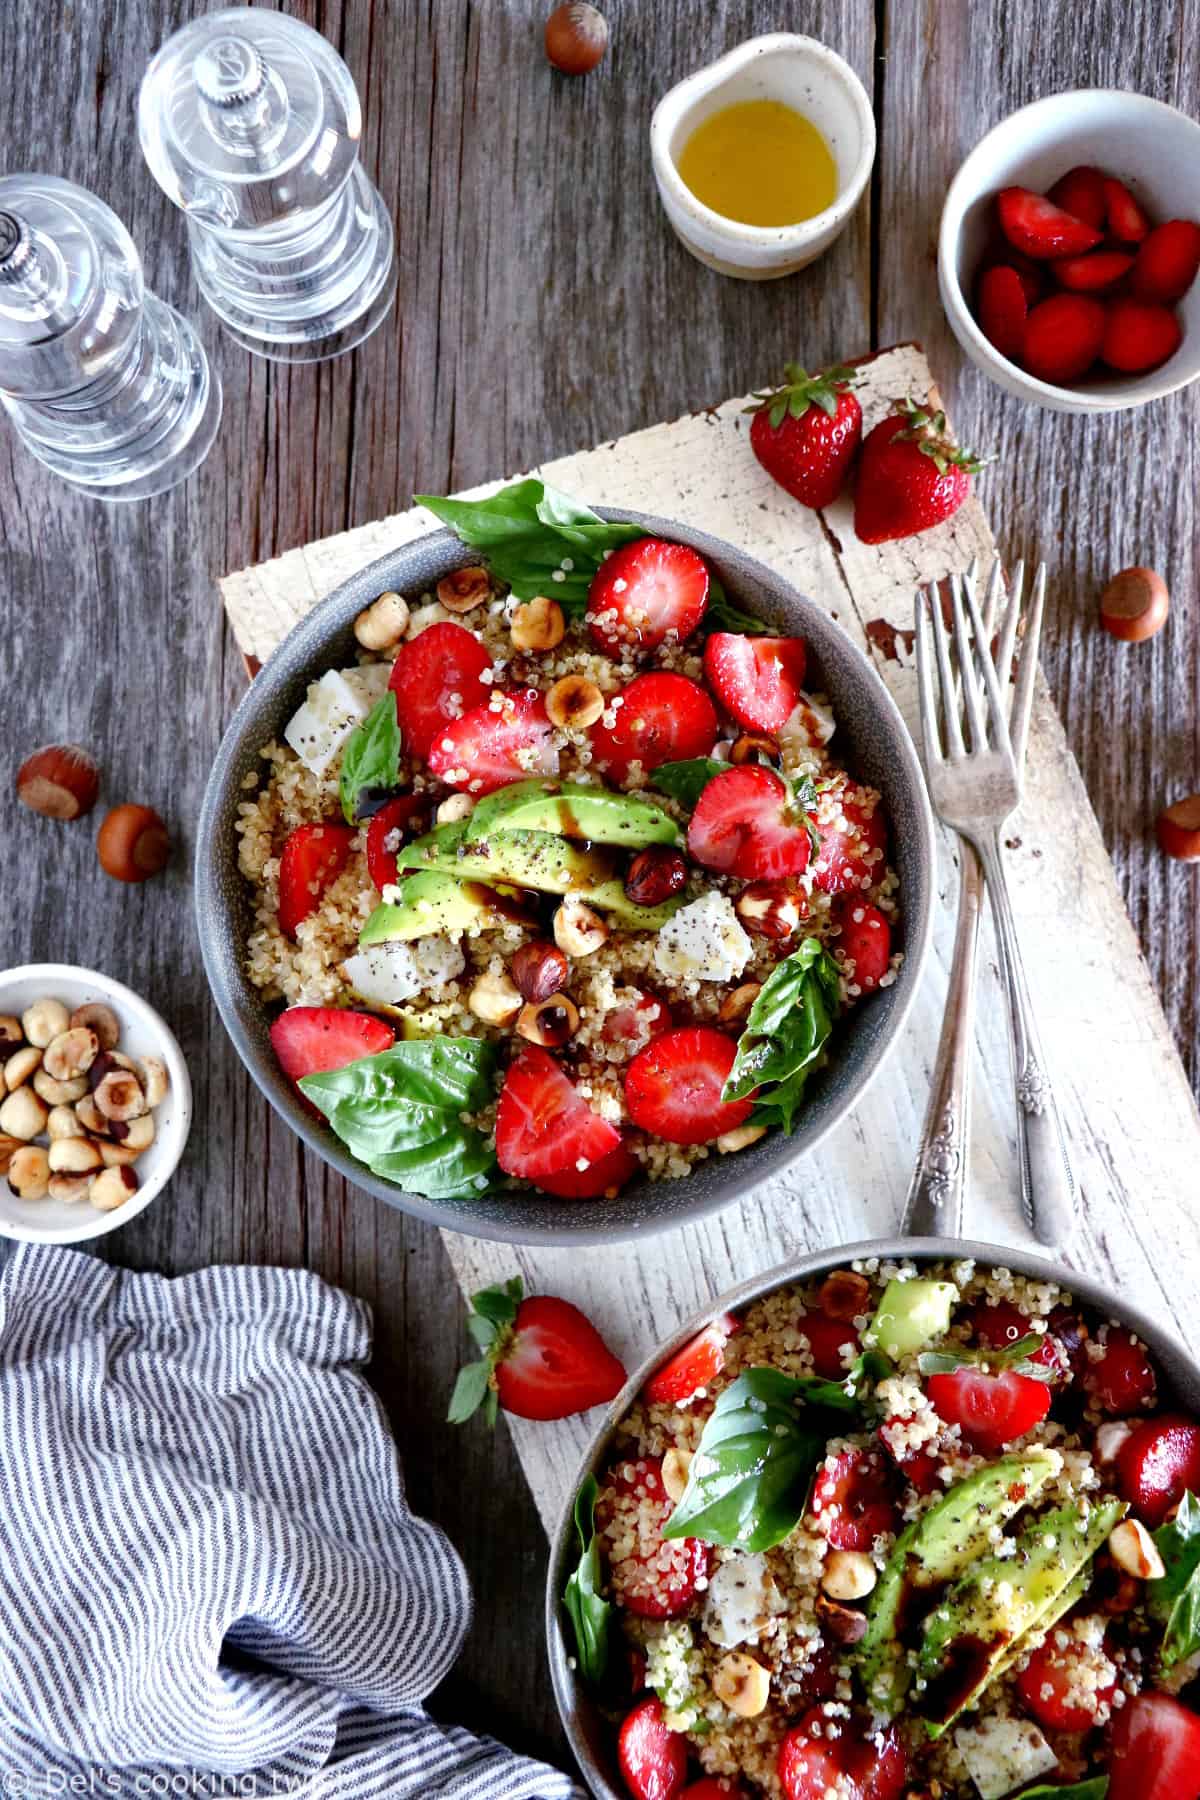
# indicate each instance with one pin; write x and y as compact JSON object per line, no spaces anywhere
{"x":542,"y":1358}
{"x":805,"y":433}
{"x":912,"y":475}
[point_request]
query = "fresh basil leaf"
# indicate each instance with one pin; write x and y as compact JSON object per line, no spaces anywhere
{"x":371,"y":759}
{"x":1174,"y":1600}
{"x":722,"y":615}
{"x":785,"y":1033}
{"x":686,"y":781}
{"x":749,"y":1478}
{"x":470,"y":1391}
{"x":535,"y":538}
{"x":1094,"y":1789}
{"x":590,"y":1614}
{"x":400,"y":1113}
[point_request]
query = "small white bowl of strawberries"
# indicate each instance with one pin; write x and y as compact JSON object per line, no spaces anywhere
{"x":1069,"y":249}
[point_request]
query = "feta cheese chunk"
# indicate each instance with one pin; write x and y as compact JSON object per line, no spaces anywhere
{"x":809,"y":726}
{"x":1004,"y":1754}
{"x":369,"y":682}
{"x":389,"y":974}
{"x":319,"y":731}
{"x":704,"y":940}
{"x":740,"y":1600}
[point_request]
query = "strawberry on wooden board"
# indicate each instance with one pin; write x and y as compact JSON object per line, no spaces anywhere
{"x":542,"y":1358}
{"x":911,"y":476}
{"x":1167,"y":261}
{"x":310,"y":1040}
{"x":805,"y":433}
{"x":1038,"y":228}
{"x":1081,"y":192}
{"x":312,"y":859}
{"x":1003,"y":309}
{"x":644,"y":591}
{"x":1138,"y":336}
{"x":1063,"y":336}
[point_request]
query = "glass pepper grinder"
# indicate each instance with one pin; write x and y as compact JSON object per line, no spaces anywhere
{"x":105,"y":384}
{"x":250,"y":123}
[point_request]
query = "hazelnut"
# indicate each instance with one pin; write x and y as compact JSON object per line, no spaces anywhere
{"x":8,"y":1149}
{"x":29,"y":1173}
{"x":1178,"y":829}
{"x":20,"y":1067}
{"x":539,"y":970}
{"x":752,"y":747}
{"x":60,"y":781}
{"x":70,"y":1187}
{"x":844,"y":1295}
{"x":119,"y":1097}
{"x":771,"y":909}
{"x":1134,"y":1551}
{"x":453,"y":808}
{"x":59,"y":1093}
{"x":105,"y":1063}
{"x":114,"y":1155}
{"x":132,"y":1135}
{"x":576,"y":38}
{"x":1134,"y":605}
{"x":93,"y":1015}
{"x":740,"y":1138}
{"x":843,"y":1624}
{"x":464,"y":589}
{"x":495,"y":1000}
{"x":656,"y":874}
{"x":742,"y":1684}
{"x":91,"y":1118}
{"x":848,"y":1575}
{"x":64,"y":1122}
{"x":71,"y":1054}
{"x":112,"y":1189}
{"x":736,"y":1006}
{"x":75,"y":1156}
{"x":44,"y":1020}
{"x":155,"y":1080}
{"x":132,"y":843}
{"x":547,"y":1022}
{"x":574,"y":703}
{"x":675,"y":1466}
{"x":23,"y":1115}
{"x":381,"y":625}
{"x":538,"y":625}
{"x":11,"y":1034}
{"x":579,"y":929}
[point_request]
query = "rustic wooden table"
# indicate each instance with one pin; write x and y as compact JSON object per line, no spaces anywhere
{"x":543,"y":306}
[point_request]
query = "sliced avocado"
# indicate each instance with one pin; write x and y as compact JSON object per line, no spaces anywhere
{"x":571,"y":809}
{"x":427,"y":903}
{"x":531,"y":859}
{"x":1071,"y":1595}
{"x":610,"y":897}
{"x":972,"y":1633}
{"x":912,"y":1315}
{"x":937,"y":1548}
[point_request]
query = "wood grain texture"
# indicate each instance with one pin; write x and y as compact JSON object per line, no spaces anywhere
{"x":543,"y":305}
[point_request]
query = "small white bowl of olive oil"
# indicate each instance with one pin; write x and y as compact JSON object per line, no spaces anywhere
{"x":761,"y":157}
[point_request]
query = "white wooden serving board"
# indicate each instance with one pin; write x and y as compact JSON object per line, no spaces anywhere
{"x":1132,"y":1123}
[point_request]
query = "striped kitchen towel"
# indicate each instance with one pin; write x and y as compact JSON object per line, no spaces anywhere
{"x":210,"y":1580}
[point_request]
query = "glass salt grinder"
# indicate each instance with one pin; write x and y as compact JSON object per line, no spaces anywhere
{"x":250,"y":123}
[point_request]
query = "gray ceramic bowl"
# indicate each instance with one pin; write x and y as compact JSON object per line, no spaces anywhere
{"x":873,"y":741}
{"x":592,"y":1736}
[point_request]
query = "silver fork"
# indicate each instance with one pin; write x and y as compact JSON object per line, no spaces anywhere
{"x":975,"y":767}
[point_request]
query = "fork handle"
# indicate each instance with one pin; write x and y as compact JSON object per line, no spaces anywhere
{"x":1047,"y":1184}
{"x":934,"y":1207}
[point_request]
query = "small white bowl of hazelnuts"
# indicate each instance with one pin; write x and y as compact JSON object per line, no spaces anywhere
{"x":95,"y":1104}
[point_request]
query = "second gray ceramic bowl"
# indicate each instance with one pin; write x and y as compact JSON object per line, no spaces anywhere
{"x":873,"y":741}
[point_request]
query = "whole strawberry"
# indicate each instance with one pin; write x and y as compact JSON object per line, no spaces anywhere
{"x":805,"y":433}
{"x":912,"y":475}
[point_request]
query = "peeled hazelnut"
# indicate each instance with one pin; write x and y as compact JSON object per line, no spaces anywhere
{"x":771,"y":909}
{"x":8,"y":1149}
{"x":495,"y":1000}
{"x":1134,"y":1550}
{"x":11,"y":1033}
{"x":751,"y":747}
{"x":574,"y":703}
{"x":59,"y":1093}
{"x":71,"y":1054}
{"x":132,"y":844}
{"x":64,"y":1122}
{"x":381,"y":625}
{"x":453,"y":808}
{"x":29,"y":1173}
{"x":23,"y":1115}
{"x":844,"y":1624}
{"x":742,"y":1684}
{"x":1134,"y":605}
{"x":539,"y":970}
{"x":91,"y":1118}
{"x":105,"y":1063}
{"x":60,"y":781}
{"x":675,"y":1466}
{"x":155,"y":1080}
{"x":848,"y":1575}
{"x":119,"y":1096}
{"x":1178,"y":829}
{"x":656,"y":874}
{"x":576,"y":38}
{"x":464,"y":589}
{"x":548,"y":1022}
{"x":95,"y":1016}
{"x":44,"y":1020}
{"x":579,"y":929}
{"x":114,"y":1155}
{"x":134,"y":1135}
{"x":75,"y":1156}
{"x":538,"y":625}
{"x":20,"y":1067}
{"x":70,"y":1188}
{"x":740,"y":1138}
{"x":736,"y":1006}
{"x":112,"y":1189}
{"x":845,"y":1295}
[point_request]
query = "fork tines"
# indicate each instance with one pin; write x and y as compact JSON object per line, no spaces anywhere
{"x":974,"y":714}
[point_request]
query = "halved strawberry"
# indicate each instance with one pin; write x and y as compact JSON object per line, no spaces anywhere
{"x":645,"y":591}
{"x":713,"y":1787}
{"x":829,"y":1341}
{"x":1167,"y":262}
{"x":1154,"y":1752}
{"x":851,"y":1500}
{"x":544,"y":1126}
{"x":308,"y":1040}
{"x":1063,"y":336}
{"x":636,"y":1022}
{"x":1039,"y":228}
{"x":758,"y":680}
{"x":1127,"y":220}
{"x":673,"y":1087}
{"x":822,"y":1756}
{"x":918,"y":1467}
{"x":852,"y":828}
{"x":1158,"y":1464}
{"x":312,"y":859}
{"x":653,"y":1760}
{"x":1050,"y":1687}
{"x":404,"y":817}
{"x":692,"y":1367}
{"x":1139,"y":336}
{"x":1002,"y":1325}
{"x":661,"y":718}
{"x":866,"y":941}
{"x":1081,"y":192}
{"x":1089,"y":274}
{"x":505,"y":739}
{"x":1003,"y":309}
{"x":436,"y":678}
{"x":658,"y":1577}
{"x":607,"y":1175}
{"x":555,"y":1363}
{"x":1121,"y":1378}
{"x":748,"y":823}
{"x":992,"y":1410}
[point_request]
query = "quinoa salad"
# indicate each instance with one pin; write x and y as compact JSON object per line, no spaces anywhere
{"x":898,"y":1534}
{"x":562,"y":882}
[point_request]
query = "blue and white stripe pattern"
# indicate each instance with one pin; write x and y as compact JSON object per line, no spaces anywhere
{"x":210,"y":1580}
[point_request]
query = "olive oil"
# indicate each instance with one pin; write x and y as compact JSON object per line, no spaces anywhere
{"x":760,"y":162}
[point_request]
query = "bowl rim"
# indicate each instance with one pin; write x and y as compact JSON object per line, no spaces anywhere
{"x":100,"y":1224}
{"x":981,"y":351}
{"x":309,"y":637}
{"x":570,"y":1693}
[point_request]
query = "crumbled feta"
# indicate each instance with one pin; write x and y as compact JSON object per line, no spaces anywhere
{"x":810,"y":725}
{"x":320,"y":729}
{"x":704,"y":940}
{"x":740,"y":1601}
{"x":369,"y":682}
{"x":389,"y":974}
{"x":1003,"y":1754}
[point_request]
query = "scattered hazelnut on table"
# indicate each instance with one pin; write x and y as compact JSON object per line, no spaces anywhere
{"x":576,"y":37}
{"x":60,"y":781}
{"x":132,"y":843}
{"x":1178,"y":829}
{"x":1134,"y":605}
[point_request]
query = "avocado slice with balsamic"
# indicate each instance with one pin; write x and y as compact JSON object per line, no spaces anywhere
{"x":571,"y":809}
